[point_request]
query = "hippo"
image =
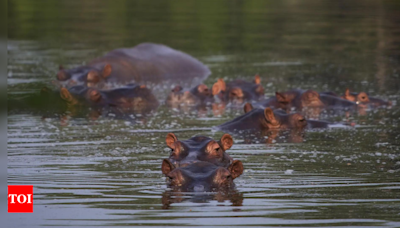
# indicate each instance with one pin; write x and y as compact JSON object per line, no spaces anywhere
{"x":129,"y":97}
{"x":238,"y":90}
{"x":146,"y":63}
{"x":300,"y":99}
{"x":201,"y":176}
{"x":199,"y":148}
{"x":363,"y":99}
{"x":261,"y":120}
{"x":281,"y":100}
{"x":199,"y":94}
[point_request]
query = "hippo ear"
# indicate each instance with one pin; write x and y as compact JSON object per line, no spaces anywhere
{"x":170,"y":140}
{"x":257,"y":79}
{"x":248,"y":107}
{"x":222,"y":84}
{"x":269,"y":116}
{"x":347,"y":92}
{"x":62,"y":75}
{"x":226,"y":141}
{"x":216,"y":89}
{"x":107,"y":70}
{"x":280,"y":97}
{"x":236,"y":168}
{"x":167,"y":167}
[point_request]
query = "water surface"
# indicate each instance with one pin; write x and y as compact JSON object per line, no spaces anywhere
{"x":106,"y":171}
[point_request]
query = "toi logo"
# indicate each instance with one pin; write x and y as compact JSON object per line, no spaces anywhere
{"x":20,"y":198}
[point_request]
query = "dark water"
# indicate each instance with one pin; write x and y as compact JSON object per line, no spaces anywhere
{"x":106,"y":172}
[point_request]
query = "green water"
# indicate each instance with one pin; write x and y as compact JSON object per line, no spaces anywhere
{"x":106,"y":172}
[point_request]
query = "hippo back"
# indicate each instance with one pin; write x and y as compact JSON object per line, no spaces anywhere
{"x":152,"y":63}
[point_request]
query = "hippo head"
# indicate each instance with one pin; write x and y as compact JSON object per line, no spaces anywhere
{"x":199,"y":148}
{"x":192,"y":97}
{"x":310,"y":98}
{"x":359,"y":98}
{"x":284,"y":99}
{"x":92,"y":76}
{"x":201,"y":176}
{"x":278,"y":119}
{"x":362,"y":99}
{"x":130,"y":97}
{"x":239,"y":90}
{"x":95,"y":76}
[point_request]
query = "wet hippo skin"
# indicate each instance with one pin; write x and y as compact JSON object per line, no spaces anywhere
{"x":238,"y":90}
{"x":201,"y":176}
{"x":199,"y":148}
{"x":144,"y":63}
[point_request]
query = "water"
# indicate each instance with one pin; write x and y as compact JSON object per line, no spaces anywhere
{"x":106,"y":171}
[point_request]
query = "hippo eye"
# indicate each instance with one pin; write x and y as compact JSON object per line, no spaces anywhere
{"x":302,"y":120}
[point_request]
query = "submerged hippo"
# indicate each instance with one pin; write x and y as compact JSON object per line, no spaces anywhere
{"x":362,"y":98}
{"x":144,"y":63}
{"x":238,"y":90}
{"x":260,"y":120}
{"x":132,"y":96}
{"x":300,"y":99}
{"x":201,"y":176}
{"x":199,"y":94}
{"x":199,"y":148}
{"x":263,"y":120}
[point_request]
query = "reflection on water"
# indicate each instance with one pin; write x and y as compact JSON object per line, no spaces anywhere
{"x":92,"y":168}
